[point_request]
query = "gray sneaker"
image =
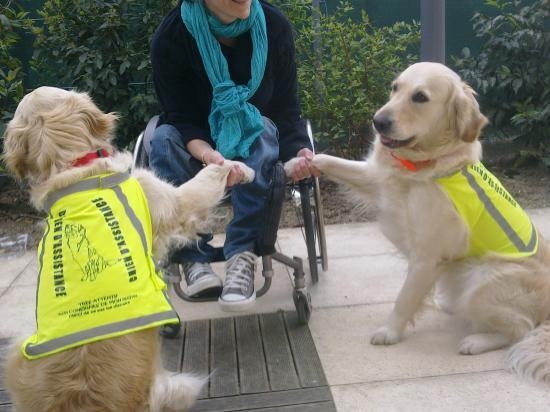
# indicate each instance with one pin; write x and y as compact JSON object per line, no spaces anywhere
{"x":201,"y":279}
{"x":238,"y":289}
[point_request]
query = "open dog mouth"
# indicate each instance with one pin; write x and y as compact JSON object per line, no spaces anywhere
{"x":394,"y":144}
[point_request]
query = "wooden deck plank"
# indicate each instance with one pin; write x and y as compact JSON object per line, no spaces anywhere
{"x":250,"y":355}
{"x":4,"y":397}
{"x":280,"y":365}
{"x":224,"y":378}
{"x":5,"y":344}
{"x":172,"y":352}
{"x":308,"y":364}
{"x":196,"y":350}
{"x":264,"y":400}
{"x":309,"y":407}
{"x":5,"y":401}
{"x":196,"y":347}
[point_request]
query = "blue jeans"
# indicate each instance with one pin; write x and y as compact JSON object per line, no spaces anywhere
{"x":170,"y":161}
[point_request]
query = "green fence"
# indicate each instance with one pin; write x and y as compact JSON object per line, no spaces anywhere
{"x":459,"y":32}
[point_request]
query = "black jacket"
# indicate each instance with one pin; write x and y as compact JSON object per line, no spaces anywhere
{"x":185,"y":93}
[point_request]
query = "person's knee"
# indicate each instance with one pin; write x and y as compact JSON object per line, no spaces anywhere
{"x":165,"y":135}
{"x":169,"y":158}
{"x":270,"y":133}
{"x":269,"y":142}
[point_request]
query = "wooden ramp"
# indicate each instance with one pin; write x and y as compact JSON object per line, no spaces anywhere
{"x":264,"y":362}
{"x":5,"y":403}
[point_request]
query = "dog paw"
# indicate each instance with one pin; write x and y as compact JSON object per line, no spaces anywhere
{"x":470,"y":345}
{"x":320,"y":161}
{"x":481,"y":342}
{"x":385,"y":336}
{"x":248,"y":173}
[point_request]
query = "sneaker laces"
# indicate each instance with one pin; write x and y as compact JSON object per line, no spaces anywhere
{"x":194,"y":270}
{"x":240,"y":270}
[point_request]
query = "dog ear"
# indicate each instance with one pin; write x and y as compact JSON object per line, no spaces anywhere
{"x":15,"y":149}
{"x":467,"y":119}
{"x":99,"y":124}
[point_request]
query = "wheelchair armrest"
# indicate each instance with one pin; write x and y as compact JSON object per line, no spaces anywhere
{"x":143,"y":144}
{"x":148,"y":133}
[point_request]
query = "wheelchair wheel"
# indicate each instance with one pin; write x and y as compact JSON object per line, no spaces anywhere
{"x":320,"y":224}
{"x":309,"y":229}
{"x":313,"y":226}
{"x":302,"y":302}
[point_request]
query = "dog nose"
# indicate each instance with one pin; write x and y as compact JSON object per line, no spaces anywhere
{"x":382,"y":123}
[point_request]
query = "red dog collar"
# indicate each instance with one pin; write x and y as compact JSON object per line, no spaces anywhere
{"x":410,"y":165}
{"x":84,"y":160}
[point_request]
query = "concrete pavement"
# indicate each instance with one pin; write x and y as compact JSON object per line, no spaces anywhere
{"x":352,"y":298}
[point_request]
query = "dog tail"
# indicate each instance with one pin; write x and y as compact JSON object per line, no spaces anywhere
{"x":175,"y":391}
{"x":530,"y":358}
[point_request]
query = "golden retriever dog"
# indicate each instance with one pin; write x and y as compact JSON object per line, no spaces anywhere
{"x":464,"y":236}
{"x":104,"y":226}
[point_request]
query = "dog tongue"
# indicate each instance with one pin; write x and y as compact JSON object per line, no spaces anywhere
{"x":385,"y":140}
{"x":392,"y":143}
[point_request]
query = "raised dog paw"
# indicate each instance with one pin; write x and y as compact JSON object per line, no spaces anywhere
{"x":320,"y":161}
{"x":248,"y":173}
{"x":385,"y":336}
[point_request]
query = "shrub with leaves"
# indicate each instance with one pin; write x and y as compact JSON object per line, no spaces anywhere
{"x":512,"y":71}
{"x":345,"y":68}
{"x":13,"y":22}
{"x":102,"y":47}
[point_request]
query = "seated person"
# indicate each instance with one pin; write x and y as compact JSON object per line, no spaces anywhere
{"x":225,"y":75}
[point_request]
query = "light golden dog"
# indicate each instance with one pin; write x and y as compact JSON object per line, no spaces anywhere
{"x":463,"y":234}
{"x":51,"y":129}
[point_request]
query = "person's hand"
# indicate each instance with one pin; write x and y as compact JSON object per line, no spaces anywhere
{"x":235,"y":176}
{"x":211,"y":156}
{"x":303,"y":167}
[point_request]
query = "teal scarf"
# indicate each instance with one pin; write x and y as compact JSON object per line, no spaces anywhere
{"x":234,"y":123}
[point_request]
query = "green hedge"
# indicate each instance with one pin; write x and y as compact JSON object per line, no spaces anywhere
{"x":102,"y":47}
{"x":512,"y":72}
{"x":13,"y":22}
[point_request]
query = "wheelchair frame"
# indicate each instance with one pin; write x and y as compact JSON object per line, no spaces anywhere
{"x":307,"y":194}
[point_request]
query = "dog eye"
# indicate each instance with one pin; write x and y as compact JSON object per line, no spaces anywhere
{"x":419,"y":97}
{"x":394,"y":88}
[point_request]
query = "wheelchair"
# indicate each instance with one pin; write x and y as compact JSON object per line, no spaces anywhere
{"x":306,"y":198}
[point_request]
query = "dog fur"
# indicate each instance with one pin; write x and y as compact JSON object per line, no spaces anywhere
{"x":52,"y":128}
{"x":433,"y":120}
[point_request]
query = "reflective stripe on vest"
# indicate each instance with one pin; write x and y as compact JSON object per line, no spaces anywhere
{"x":496,"y":222}
{"x":97,"y":278}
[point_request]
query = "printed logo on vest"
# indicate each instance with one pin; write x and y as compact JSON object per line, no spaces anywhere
{"x":84,"y":254}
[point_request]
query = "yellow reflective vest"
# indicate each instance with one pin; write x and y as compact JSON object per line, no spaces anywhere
{"x":97,"y":277}
{"x":497,"y":223}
